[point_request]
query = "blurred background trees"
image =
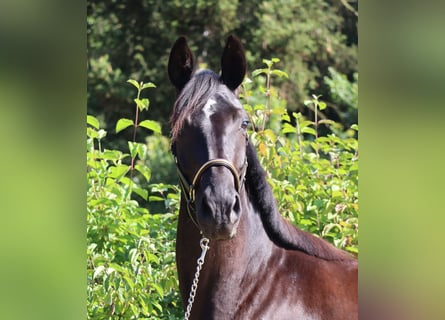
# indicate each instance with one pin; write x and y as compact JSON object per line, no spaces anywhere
{"x":316,"y":41}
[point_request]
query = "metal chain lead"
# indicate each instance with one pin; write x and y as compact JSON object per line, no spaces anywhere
{"x":204,"y":243}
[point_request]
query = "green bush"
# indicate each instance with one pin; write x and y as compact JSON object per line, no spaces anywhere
{"x":131,"y":261}
{"x":131,"y":270}
{"x":314,"y":178}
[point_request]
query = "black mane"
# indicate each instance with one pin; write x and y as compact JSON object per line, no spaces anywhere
{"x":281,"y":232}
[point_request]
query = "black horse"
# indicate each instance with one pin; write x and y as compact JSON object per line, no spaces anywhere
{"x":259,"y":266}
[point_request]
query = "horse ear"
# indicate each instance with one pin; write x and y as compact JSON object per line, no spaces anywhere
{"x":180,"y":63}
{"x":233,"y":63}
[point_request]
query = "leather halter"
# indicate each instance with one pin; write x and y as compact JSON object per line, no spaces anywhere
{"x":188,"y":189}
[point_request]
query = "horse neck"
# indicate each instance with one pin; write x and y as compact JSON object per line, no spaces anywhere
{"x":227,"y":262}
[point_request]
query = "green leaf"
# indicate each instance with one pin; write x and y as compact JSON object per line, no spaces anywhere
{"x":122,"y":124}
{"x":142,"y":150}
{"x":129,"y":281}
{"x":306,"y":123}
{"x":322,"y":105}
{"x":133,"y":147}
{"x":285,"y":117}
{"x":288,"y":128}
{"x":98,"y":271}
{"x":143,"y":193}
{"x":152,"y":125}
{"x":108,"y":300}
{"x":91,"y":133}
{"x":259,"y":107}
{"x":268,"y":62}
{"x":134,"y":83}
{"x":326,"y":121}
{"x":305,"y":222}
{"x":111,"y":155}
{"x":144,"y":306}
{"x":158,"y":289}
{"x":155,"y":198}
{"x":307,"y":102}
{"x":296,"y":115}
{"x":259,"y":71}
{"x":148,"y":85}
{"x":352,"y":249}
{"x":275,"y":60}
{"x":118,"y":171}
{"x":142,"y":104}
{"x":144,"y":170}
{"x":354,"y":127}
{"x":309,"y":130}
{"x":134,"y":309}
{"x":92,"y":121}
{"x":280,"y":74}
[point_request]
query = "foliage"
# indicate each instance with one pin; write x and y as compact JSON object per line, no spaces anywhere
{"x":314,"y":178}
{"x":131,"y":262}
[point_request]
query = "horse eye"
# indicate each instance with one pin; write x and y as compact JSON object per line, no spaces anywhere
{"x":245,"y":124}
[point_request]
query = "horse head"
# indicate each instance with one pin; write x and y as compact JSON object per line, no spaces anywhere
{"x":209,"y":138}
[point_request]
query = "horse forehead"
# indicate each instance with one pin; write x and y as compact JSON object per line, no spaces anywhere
{"x":220,"y":104}
{"x":209,"y":108}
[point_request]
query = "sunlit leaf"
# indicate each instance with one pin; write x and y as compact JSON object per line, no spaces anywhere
{"x":122,"y":124}
{"x":155,"y":198}
{"x":143,"y":193}
{"x":134,"y":83}
{"x":285,"y":117}
{"x":142,"y":104}
{"x":133,"y":147}
{"x":280,"y":73}
{"x":327,"y":121}
{"x":118,"y":171}
{"x":112,"y":155}
{"x":288,"y":128}
{"x":148,"y":85}
{"x":97,"y":271}
{"x":322,"y":105}
{"x":152,"y":125}
{"x":92,"y":121}
{"x":144,"y":170}
{"x":309,"y":131}
{"x":259,"y":71}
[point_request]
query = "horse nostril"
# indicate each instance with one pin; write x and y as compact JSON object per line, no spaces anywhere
{"x":236,"y":207}
{"x":206,"y":207}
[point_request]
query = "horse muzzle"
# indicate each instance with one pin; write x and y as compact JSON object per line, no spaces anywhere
{"x":218,"y":215}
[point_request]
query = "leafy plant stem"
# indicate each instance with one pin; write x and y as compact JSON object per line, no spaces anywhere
{"x":135,"y":126}
{"x":316,"y":129}
{"x":267,"y":113}
{"x":299,"y":137}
